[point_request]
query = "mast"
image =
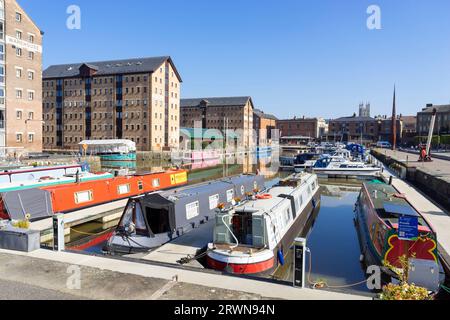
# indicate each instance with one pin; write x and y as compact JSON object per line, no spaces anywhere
{"x":394,"y":122}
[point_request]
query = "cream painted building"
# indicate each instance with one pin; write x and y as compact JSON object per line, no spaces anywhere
{"x":20,"y":81}
{"x":135,"y":99}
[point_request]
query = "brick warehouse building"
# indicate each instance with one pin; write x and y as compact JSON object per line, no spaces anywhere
{"x":20,"y":81}
{"x":135,"y":99}
{"x":234,"y":113}
{"x":264,"y":125}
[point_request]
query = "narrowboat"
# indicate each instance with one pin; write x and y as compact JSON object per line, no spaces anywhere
{"x":153,"y":220}
{"x":379,"y":211}
{"x":43,"y":203}
{"x":22,"y":174}
{"x":255,"y":237}
{"x":49,"y":181}
{"x":110,"y":150}
{"x":197,"y":159}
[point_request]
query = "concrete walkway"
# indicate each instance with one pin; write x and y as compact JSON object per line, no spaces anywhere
{"x":104,"y":278}
{"x":439,"y":166}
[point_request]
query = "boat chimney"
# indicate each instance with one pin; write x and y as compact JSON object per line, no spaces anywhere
{"x":390,"y":180}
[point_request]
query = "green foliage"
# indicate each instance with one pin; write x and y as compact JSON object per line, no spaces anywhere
{"x":403,"y":290}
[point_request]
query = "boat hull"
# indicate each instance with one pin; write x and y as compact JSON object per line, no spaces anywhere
{"x":118,"y":157}
{"x":265,"y":265}
{"x":347,"y":173}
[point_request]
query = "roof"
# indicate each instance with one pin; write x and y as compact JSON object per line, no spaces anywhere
{"x":216,"y":102}
{"x":354,"y":119}
{"x":118,"y":142}
{"x":137,"y":65}
{"x":264,"y":115}
{"x":441,"y":108}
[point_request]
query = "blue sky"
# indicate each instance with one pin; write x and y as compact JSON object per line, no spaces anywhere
{"x":295,"y":58}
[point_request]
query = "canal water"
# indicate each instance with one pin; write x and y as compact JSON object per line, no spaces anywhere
{"x":332,"y":237}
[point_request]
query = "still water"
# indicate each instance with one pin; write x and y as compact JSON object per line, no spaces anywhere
{"x":332,"y":236}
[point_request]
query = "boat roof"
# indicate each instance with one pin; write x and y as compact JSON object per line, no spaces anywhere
{"x":208,"y":187}
{"x":266,"y":205}
{"x":115,"y":142}
{"x":387,"y":200}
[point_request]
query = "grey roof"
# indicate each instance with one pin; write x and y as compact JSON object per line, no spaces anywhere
{"x":138,"y":65}
{"x":441,"y":108}
{"x":354,"y":119}
{"x":264,"y":115}
{"x":216,"y":102}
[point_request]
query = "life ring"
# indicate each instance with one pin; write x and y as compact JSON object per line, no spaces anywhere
{"x":265,"y":196}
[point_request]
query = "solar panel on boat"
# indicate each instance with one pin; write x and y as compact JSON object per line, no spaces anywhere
{"x":398,"y":209}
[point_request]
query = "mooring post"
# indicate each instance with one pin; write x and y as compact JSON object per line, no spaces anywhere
{"x":58,"y":233}
{"x":300,"y":250}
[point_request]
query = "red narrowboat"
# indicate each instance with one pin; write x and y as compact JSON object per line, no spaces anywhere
{"x":71,"y":197}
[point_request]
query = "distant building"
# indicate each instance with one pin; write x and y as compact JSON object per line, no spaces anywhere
{"x":134,"y":99}
{"x":354,"y":129}
{"x":305,"y":127}
{"x":226,"y":113}
{"x":364,"y":111}
{"x":385,"y":129}
{"x":264,"y":124}
{"x":20,"y":81}
{"x":442,"y":125}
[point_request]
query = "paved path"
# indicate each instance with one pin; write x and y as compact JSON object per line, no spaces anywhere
{"x":438,"y":165}
{"x":10,"y":290}
{"x":104,"y":278}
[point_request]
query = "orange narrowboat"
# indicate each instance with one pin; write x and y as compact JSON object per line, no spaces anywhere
{"x":76,"y":196}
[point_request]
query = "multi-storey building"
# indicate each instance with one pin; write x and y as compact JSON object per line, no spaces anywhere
{"x":231,"y":113}
{"x":20,"y":81}
{"x":264,"y":125}
{"x":307,"y":127}
{"x":354,"y":129}
{"x":135,"y":99}
{"x":442,"y":125}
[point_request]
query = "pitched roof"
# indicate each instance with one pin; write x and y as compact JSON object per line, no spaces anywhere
{"x":216,"y":102}
{"x":137,"y":65}
{"x":441,"y":108}
{"x":264,"y":115}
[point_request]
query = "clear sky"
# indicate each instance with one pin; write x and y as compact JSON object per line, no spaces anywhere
{"x":296,"y":57}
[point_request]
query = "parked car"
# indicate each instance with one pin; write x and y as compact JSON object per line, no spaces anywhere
{"x":384,"y":145}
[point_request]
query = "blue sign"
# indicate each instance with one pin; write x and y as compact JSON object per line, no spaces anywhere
{"x":408,"y":228}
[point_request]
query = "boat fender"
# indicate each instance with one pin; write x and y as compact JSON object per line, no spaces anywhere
{"x":264,"y":196}
{"x":314,"y":203}
{"x":281,"y":257}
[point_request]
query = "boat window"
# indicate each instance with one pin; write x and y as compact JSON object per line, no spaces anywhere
{"x":140,"y":186}
{"x":288,"y":216}
{"x":192,"y":210}
{"x":158,"y":220}
{"x":213,"y":202}
{"x":83,"y":197}
{"x":139,"y":218}
{"x":243,"y":190}
{"x":230,"y":195}
{"x":127,"y":216}
{"x":123,"y":189}
{"x":156,"y":183}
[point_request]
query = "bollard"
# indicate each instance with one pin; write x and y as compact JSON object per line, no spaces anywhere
{"x":58,"y":233}
{"x":300,"y":262}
